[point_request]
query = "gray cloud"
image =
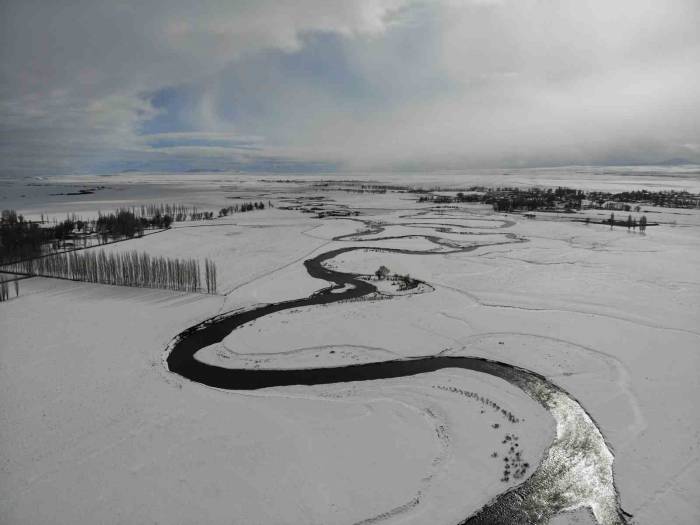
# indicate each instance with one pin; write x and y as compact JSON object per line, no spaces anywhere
{"x":389,"y":84}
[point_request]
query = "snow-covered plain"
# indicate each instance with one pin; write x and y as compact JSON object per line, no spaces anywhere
{"x":94,"y":429}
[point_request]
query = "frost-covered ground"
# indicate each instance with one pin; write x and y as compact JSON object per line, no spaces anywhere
{"x":94,"y":429}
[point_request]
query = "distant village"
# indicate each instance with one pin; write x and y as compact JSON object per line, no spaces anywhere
{"x":565,"y":199}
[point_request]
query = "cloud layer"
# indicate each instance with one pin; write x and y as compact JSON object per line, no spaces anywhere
{"x":314,"y":84}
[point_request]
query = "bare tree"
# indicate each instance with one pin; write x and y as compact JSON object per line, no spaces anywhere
{"x":382,"y":272}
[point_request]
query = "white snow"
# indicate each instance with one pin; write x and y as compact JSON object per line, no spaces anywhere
{"x":93,"y":429}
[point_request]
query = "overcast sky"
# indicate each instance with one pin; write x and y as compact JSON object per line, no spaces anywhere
{"x":101,"y":86}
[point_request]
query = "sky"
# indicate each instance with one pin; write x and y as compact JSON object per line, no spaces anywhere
{"x":92,"y":86}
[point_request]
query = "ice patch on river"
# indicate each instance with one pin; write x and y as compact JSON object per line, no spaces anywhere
{"x":577,"y":468}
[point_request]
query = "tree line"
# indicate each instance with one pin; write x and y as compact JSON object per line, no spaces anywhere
{"x":664,"y":199}
{"x":125,"y":223}
{"x":506,"y":199}
{"x":631,"y":222}
{"x":181,"y":213}
{"x":124,"y":269}
{"x":178,"y":212}
{"x":22,"y":239}
{"x":19,"y":238}
{"x":242,"y":207}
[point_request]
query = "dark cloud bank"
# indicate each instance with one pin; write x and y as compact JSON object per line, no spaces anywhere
{"x":328,"y":84}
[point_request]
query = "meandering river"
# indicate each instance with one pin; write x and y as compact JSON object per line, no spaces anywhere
{"x":576,"y":470}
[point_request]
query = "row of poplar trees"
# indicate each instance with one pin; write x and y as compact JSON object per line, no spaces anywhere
{"x":5,"y":290}
{"x":125,"y":269}
{"x":210,"y":275}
